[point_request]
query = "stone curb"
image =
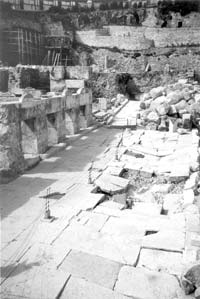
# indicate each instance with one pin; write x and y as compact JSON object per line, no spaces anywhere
{"x":109,"y":121}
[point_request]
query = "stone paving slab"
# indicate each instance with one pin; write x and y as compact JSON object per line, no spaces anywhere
{"x":165,"y":240}
{"x":161,"y":261}
{"x":92,"y":268}
{"x":34,"y":281}
{"x":78,"y":288}
{"x":114,"y":170}
{"x":127,"y":229}
{"x":91,"y":220}
{"x":111,"y":184}
{"x":117,"y":248}
{"x":144,"y":284}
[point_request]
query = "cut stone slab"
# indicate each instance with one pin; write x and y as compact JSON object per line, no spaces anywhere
{"x":145,"y":208}
{"x":162,"y":188}
{"x":188,"y":197}
{"x":92,"y":220}
{"x":179,"y":173}
{"x":113,"y":170}
{"x":144,"y":284}
{"x":172,"y":203}
{"x":147,"y":171}
{"x":92,"y":268}
{"x":124,"y":227}
{"x":32,"y":280}
{"x":111,"y":184}
{"x":170,"y":240}
{"x":78,"y":288}
{"x":163,"y":261}
{"x":191,"y":183}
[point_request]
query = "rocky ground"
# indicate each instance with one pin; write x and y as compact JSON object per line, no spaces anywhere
{"x":100,"y":248}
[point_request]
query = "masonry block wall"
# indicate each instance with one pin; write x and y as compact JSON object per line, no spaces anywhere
{"x":30,"y":127}
{"x":11,"y":156}
{"x":140,"y":38}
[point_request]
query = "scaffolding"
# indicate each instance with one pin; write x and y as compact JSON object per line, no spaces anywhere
{"x":57,"y":47}
{"x":22,"y":46}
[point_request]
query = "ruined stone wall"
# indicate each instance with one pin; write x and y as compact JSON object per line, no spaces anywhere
{"x":28,"y":127}
{"x":140,"y":38}
{"x":21,"y":77}
{"x":11,"y":156}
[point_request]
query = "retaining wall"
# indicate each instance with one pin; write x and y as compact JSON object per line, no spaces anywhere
{"x":140,"y":38}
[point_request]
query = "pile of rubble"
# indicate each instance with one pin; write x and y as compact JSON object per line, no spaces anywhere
{"x":174,"y":107}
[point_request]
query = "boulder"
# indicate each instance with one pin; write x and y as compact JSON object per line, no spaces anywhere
{"x":197,"y":97}
{"x":191,"y":102}
{"x":163,"y":109}
{"x":186,"y":94}
{"x":153,"y":117}
{"x":174,"y":97}
{"x":157,"y":92}
{"x":191,"y":279}
{"x":197,"y":293}
{"x":158,"y":101}
{"x":142,"y":105}
{"x":181,"y":105}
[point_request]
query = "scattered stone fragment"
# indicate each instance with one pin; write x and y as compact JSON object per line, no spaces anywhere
{"x":191,"y":279}
{"x":111,"y":184}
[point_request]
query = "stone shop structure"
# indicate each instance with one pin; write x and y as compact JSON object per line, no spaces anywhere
{"x":30,"y":125}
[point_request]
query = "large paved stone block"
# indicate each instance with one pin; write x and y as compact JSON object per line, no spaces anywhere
{"x":180,"y":173}
{"x":144,"y":284}
{"x":170,"y":240}
{"x":172,"y":203}
{"x":111,"y":184}
{"x":117,"y":248}
{"x":164,"y":261}
{"x":33,"y":280}
{"x":78,"y":288}
{"x":92,"y":268}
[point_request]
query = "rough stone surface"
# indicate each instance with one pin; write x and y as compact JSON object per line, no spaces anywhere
{"x":111,"y":184}
{"x":80,"y":288}
{"x":166,"y":240}
{"x":145,"y":284}
{"x":92,"y":268}
{"x":161,"y":261}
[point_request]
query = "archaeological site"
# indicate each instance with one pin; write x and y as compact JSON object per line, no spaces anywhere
{"x":100,"y":149}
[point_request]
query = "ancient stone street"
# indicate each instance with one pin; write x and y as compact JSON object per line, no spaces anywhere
{"x":95,"y":247}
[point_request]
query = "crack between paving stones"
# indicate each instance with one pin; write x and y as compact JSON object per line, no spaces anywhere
{"x":63,"y":287}
{"x":58,"y":266}
{"x":68,"y":224}
{"x":17,"y":263}
{"x":108,"y":217}
{"x":161,"y":249}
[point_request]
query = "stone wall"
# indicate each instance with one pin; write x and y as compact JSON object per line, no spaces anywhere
{"x":140,"y":38}
{"x":15,"y":79}
{"x":28,"y":127}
